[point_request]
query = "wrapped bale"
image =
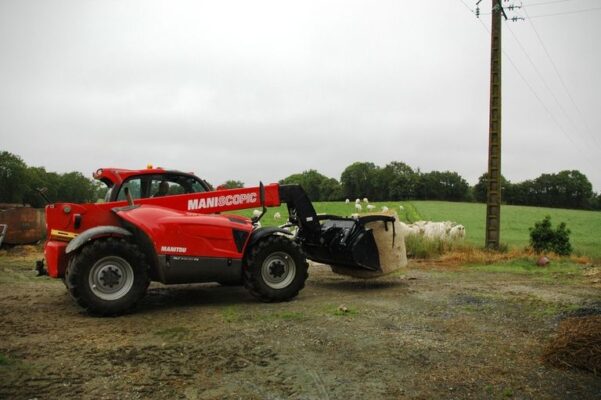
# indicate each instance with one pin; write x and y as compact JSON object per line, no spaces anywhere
{"x":390,"y":241}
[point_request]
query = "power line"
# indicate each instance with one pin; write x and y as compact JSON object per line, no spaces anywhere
{"x":543,"y":80}
{"x":533,"y":91}
{"x":529,"y":86}
{"x":466,"y":6}
{"x":545,"y":3}
{"x":567,"y":12}
{"x":561,"y":80}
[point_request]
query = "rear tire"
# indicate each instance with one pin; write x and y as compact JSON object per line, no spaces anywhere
{"x":108,"y":276}
{"x":276,"y":269}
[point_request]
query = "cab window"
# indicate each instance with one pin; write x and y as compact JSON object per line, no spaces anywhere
{"x":146,"y":186}
{"x":135,"y":189}
{"x":170,"y":185}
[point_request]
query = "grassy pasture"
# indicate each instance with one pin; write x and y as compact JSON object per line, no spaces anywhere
{"x":515,"y":220}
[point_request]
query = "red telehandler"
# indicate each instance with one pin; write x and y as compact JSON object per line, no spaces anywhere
{"x":172,"y":227}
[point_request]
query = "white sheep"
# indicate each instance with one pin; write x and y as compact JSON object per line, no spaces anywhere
{"x":436,"y":230}
{"x":358,"y":207}
{"x":357,"y":201}
{"x":365,"y":200}
{"x":413,"y":230}
{"x":277,"y":216}
{"x":347,"y":201}
{"x":256,"y":213}
{"x":407,"y":230}
{"x":446,"y":230}
{"x":371,"y":207}
{"x":384,"y":208}
{"x":401,"y":208}
{"x":457,"y":232}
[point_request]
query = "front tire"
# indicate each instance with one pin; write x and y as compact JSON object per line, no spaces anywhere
{"x":276,"y":269}
{"x":108,"y":276}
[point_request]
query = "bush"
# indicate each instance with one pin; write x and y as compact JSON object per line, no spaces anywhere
{"x":544,"y":238}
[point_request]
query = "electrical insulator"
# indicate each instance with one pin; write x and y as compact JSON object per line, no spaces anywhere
{"x":477,"y":12}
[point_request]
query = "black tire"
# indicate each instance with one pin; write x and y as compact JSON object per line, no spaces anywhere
{"x":276,"y":269}
{"x":114,"y":260}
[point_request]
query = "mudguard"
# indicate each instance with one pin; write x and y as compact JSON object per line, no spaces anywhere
{"x":260,"y":233}
{"x":92,"y":233}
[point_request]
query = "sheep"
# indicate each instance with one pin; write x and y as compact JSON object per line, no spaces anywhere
{"x":384,"y":208}
{"x":347,"y":201}
{"x":413,"y":230}
{"x":401,"y":208}
{"x":457,"y":232}
{"x":365,"y":200}
{"x":358,"y":201}
{"x":445,"y":230}
{"x":256,"y":213}
{"x":436,"y":230}
{"x":277,"y":216}
{"x":407,"y":230}
{"x":358,"y":207}
{"x":371,"y":207}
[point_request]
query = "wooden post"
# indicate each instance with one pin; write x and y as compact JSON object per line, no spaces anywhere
{"x":493,"y":198}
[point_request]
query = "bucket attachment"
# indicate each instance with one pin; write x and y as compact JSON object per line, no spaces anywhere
{"x":368,"y":246}
{"x":365,"y":247}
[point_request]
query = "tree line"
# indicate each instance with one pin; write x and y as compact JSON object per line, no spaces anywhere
{"x":19,"y":183}
{"x":395,"y":181}
{"x":398,"y":181}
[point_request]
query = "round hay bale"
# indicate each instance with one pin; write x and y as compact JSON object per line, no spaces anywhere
{"x":391,"y":249}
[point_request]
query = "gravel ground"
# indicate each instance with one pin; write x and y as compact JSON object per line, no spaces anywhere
{"x":431,"y":332}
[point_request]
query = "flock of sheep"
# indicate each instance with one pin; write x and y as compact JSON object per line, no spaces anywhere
{"x":446,"y":230}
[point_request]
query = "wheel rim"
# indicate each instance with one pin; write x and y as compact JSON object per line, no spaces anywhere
{"x":278,"y":270}
{"x":111,"y":278}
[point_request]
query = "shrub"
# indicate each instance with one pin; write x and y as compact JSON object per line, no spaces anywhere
{"x":544,"y":238}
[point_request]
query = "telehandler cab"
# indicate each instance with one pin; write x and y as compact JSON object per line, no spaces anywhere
{"x":172,"y":227}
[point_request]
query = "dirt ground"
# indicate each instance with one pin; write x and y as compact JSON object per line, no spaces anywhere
{"x":431,"y":332}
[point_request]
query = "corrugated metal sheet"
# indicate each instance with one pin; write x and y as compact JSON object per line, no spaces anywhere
{"x":25,"y":225}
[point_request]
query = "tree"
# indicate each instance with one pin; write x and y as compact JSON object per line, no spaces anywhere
{"x":568,"y":189}
{"x":75,"y":188}
{"x":445,"y":185}
{"x":596,"y":201}
{"x":38,"y":178}
{"x":574,"y":189}
{"x":330,"y":190}
{"x":360,"y":180}
{"x":13,"y":178}
{"x":317,"y":186}
{"x":396,"y":181}
{"x":232,"y":184}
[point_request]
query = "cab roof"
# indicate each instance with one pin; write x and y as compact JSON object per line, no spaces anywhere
{"x":118,"y":175}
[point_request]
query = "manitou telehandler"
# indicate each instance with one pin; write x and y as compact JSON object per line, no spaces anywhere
{"x":171,"y":227}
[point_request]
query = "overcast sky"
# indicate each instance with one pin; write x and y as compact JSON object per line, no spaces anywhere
{"x":258,"y":90}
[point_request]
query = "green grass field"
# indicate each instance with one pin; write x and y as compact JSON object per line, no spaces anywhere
{"x":515,"y":220}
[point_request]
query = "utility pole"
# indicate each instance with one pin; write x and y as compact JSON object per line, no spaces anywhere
{"x":493,"y":198}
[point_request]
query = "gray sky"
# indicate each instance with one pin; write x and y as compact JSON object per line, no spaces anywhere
{"x":257,"y":90}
